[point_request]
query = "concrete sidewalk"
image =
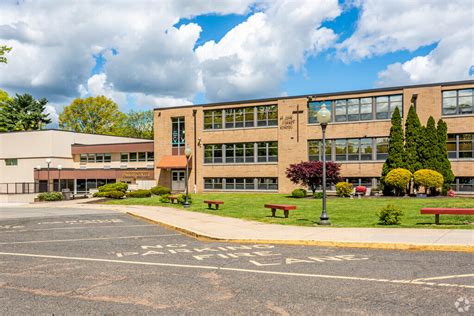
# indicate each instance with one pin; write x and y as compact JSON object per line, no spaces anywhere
{"x":232,"y":229}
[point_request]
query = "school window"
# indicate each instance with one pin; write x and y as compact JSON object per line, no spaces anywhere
{"x":460,"y":146}
{"x":132,"y":157}
{"x":177,"y":132}
{"x":11,"y":162}
{"x":150,"y":156}
{"x":241,"y":117}
{"x":107,"y":157}
{"x":463,"y":184}
{"x":124,"y":157}
{"x":241,"y":153}
{"x":351,"y":149}
{"x":458,"y":102}
{"x":83,"y":158}
{"x":382,"y":147}
{"x":241,"y":184}
{"x":142,"y":156}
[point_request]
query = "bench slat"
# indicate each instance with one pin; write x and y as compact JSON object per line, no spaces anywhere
{"x":281,"y":206}
{"x":448,"y":211}
{"x":213,"y":202}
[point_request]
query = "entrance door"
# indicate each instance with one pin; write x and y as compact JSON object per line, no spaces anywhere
{"x":177,"y":180}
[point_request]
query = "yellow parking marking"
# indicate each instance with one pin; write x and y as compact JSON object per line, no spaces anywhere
{"x":162,"y":264}
{"x":456,"y":276}
{"x":82,"y":239}
{"x":66,"y":228}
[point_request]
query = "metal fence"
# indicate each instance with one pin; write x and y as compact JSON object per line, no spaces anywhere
{"x":22,"y":188}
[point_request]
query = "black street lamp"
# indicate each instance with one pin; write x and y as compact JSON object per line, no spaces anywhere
{"x":187,"y":152}
{"x":324,"y":116}
{"x":59,"y":176}
{"x":48,"y":162}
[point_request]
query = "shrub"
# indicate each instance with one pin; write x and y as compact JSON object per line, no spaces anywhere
{"x":50,"y":196}
{"x":451,"y":193}
{"x":119,"y":186}
{"x":398,"y":178}
{"x":390,"y":215}
{"x":160,"y":190}
{"x":165,"y":198}
{"x":115,"y":194}
{"x":100,"y":194}
{"x":429,"y":179}
{"x":343,"y":189}
{"x":298,"y":193}
{"x":182,"y":199}
{"x":139,"y":194}
{"x":318,"y":195}
{"x":361,"y":189}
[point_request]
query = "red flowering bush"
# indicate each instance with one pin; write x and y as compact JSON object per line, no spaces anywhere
{"x":451,"y":193}
{"x":361,"y":189}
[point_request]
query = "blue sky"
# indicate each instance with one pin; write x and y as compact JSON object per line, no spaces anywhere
{"x":170,"y":53}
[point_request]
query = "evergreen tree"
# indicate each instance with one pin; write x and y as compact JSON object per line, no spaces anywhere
{"x":23,"y":113}
{"x":412,"y":139}
{"x":444,"y":164}
{"x":430,"y":147}
{"x":396,"y":151}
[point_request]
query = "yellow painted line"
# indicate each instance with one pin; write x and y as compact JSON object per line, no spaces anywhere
{"x":456,"y":276}
{"x":188,"y":266}
{"x":340,"y":244}
{"x":22,"y":230}
{"x":82,"y":239}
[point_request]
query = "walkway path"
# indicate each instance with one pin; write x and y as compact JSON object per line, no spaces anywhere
{"x":233,"y":229}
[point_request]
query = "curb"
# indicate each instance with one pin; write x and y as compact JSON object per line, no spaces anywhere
{"x":339,"y":244}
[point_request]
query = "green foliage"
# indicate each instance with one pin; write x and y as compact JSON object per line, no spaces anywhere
{"x":139,"y":194}
{"x":160,"y":190}
{"x":115,"y":194}
{"x":182,"y":199}
{"x":430,"y":159}
{"x":4,"y":97}
{"x":137,"y":124}
{"x":318,"y":195}
{"x":96,"y":115}
{"x":444,"y":164}
{"x":298,"y":193}
{"x":101,"y":194}
{"x":3,"y":50}
{"x":390,"y":215}
{"x":398,"y":179}
{"x":429,"y":179}
{"x":50,"y":196}
{"x":23,"y":113}
{"x":343,"y":189}
{"x":396,"y":150}
{"x":118,"y":186}
{"x":412,"y":139}
{"x":165,"y":198}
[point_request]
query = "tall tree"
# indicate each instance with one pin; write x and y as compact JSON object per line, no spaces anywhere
{"x":4,"y":97}
{"x":138,"y":124}
{"x":412,"y":139}
{"x":396,"y":150}
{"x":430,"y":158}
{"x":3,"y":50}
{"x":95,"y":115}
{"x":444,"y":163}
{"x":23,"y":113}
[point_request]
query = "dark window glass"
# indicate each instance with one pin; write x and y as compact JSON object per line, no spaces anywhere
{"x":382,"y":148}
{"x":341,"y":149}
{"x":90,"y":157}
{"x":150,"y":156}
{"x":124,"y":157}
{"x":107,"y":157}
{"x":229,"y":153}
{"x":353,"y":149}
{"x":83,"y":158}
{"x":177,"y":132}
{"x":133,"y":156}
{"x":249,"y":117}
{"x":142,"y":156}
{"x":366,"y":149}
{"x":217,"y":153}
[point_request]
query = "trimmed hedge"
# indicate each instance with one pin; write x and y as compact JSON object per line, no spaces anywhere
{"x":160,"y":190}
{"x":343,"y":189}
{"x":398,"y":178}
{"x":298,"y":193}
{"x":318,"y":195}
{"x":429,"y":179}
{"x":110,"y":194}
{"x":118,"y":186}
{"x":389,"y":215}
{"x":182,"y":198}
{"x":50,"y":196}
{"x":139,"y":194}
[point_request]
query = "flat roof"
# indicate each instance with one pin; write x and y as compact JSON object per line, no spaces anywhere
{"x":316,"y":95}
{"x":67,"y":131}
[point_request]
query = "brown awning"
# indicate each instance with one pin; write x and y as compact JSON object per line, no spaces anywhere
{"x":173,"y":162}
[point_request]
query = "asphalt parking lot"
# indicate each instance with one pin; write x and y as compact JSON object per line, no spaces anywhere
{"x":112,"y":263}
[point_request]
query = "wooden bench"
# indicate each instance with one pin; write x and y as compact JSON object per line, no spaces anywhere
{"x":283,"y":207}
{"x":446,"y":211}
{"x":213,"y":202}
{"x":173,"y":198}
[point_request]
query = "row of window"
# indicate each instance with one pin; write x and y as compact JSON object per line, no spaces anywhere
{"x":458,"y":102}
{"x":358,"y":109}
{"x":460,"y":146}
{"x":463,"y":184}
{"x":352,"y":149}
{"x":11,"y":162}
{"x":95,"y":158}
{"x":247,"y":184}
{"x":241,"y":152}
{"x":140,"y":156}
{"x":260,"y":116}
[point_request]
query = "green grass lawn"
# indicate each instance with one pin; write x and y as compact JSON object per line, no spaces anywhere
{"x":343,"y":212}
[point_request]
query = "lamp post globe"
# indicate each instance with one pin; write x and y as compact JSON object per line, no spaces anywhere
{"x":187,"y":153}
{"x":324,"y":116}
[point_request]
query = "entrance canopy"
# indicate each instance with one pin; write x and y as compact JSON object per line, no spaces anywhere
{"x":173,"y":162}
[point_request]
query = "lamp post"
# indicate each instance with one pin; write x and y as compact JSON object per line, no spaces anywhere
{"x":324,"y":116}
{"x":48,"y":162}
{"x":38,"y":168}
{"x":187,"y":153}
{"x":59,"y":176}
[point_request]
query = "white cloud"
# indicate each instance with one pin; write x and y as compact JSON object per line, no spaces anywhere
{"x":395,"y":25}
{"x":253,"y":58}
